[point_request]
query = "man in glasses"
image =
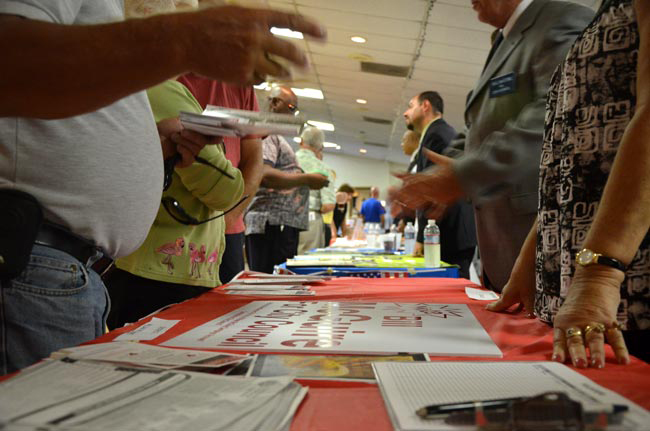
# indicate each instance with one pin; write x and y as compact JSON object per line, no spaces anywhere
{"x":98,"y":173}
{"x":280,"y":209}
{"x":321,"y":201}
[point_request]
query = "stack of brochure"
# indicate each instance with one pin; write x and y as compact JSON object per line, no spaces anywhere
{"x":259,"y":284}
{"x":218,"y":121}
{"x":76,"y":395}
{"x":145,"y":355}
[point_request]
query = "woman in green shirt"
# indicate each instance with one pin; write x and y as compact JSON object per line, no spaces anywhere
{"x":177,"y":261}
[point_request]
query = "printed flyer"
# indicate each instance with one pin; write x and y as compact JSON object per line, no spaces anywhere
{"x":385,"y":328}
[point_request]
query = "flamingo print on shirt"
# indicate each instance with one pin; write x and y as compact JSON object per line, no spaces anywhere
{"x":196,"y":256}
{"x":212,"y":259}
{"x":171,"y":249}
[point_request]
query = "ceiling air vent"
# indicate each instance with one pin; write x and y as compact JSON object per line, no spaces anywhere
{"x":377,"y":120}
{"x":385,"y":69}
{"x":374,"y":144}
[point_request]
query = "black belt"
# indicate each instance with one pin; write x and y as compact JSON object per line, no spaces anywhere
{"x":61,"y":239}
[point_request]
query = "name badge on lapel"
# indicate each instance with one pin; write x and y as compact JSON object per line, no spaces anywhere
{"x":502,"y":85}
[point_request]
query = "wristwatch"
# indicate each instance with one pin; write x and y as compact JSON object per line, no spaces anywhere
{"x":586,"y":257}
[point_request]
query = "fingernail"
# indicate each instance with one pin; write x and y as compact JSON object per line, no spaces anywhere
{"x":597,"y":363}
{"x":530,"y":315}
{"x":623,"y":361}
{"x":580,"y":363}
{"x":556,"y":358}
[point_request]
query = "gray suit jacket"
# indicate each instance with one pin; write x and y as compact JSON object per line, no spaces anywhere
{"x":500,"y":167}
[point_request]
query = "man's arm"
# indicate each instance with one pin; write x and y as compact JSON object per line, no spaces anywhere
{"x":277,"y":179}
{"x":55,"y":70}
{"x":511,"y":154}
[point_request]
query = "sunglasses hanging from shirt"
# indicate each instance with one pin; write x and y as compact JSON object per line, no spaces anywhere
{"x":174,"y":208}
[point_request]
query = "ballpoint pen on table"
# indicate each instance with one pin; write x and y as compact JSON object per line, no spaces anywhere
{"x":545,"y":410}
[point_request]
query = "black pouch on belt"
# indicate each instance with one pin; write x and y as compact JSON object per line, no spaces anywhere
{"x":20,"y":220}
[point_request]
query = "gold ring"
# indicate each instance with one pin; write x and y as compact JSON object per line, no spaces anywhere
{"x":598,"y":327}
{"x":614,"y":327}
{"x":573,"y":332}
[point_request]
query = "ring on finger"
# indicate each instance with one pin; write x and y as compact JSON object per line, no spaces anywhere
{"x":599,"y":328}
{"x":573,"y":332}
{"x":613,"y":327}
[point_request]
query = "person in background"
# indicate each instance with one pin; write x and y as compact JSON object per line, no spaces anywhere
{"x":498,"y":170}
{"x":410,"y":146}
{"x":343,"y":198}
{"x":585,"y":265}
{"x":98,"y":173}
{"x":244,"y":154}
{"x":320,"y":201}
{"x":328,"y":217}
{"x":372,"y":211}
{"x":456,"y":222}
{"x":180,"y":258}
{"x":280,"y":209}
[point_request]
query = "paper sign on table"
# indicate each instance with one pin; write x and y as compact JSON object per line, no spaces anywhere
{"x":344,"y":327}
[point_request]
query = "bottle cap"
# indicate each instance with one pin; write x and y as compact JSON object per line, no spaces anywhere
{"x":431,"y":221}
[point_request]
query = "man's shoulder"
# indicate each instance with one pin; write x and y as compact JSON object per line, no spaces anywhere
{"x":557,"y":11}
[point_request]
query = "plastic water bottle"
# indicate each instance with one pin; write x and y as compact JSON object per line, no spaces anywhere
{"x":370,"y":234}
{"x":397,"y":237}
{"x":432,"y":245}
{"x":409,"y":238}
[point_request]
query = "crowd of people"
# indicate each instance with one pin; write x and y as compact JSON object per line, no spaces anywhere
{"x":550,"y":179}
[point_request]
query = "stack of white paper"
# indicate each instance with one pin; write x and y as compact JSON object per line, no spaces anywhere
{"x":218,"y":121}
{"x":259,"y":284}
{"x":407,"y":387}
{"x":89,"y":396}
{"x":145,"y":355}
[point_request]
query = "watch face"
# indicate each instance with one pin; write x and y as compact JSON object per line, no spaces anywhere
{"x":585,"y":257}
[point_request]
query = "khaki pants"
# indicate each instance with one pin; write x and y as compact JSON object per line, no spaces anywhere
{"x":314,"y":237}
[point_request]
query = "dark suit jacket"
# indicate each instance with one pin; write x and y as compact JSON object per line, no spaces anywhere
{"x":457,"y":230}
{"x":500,"y":166}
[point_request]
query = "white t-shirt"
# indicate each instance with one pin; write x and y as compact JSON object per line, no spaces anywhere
{"x":99,"y":174}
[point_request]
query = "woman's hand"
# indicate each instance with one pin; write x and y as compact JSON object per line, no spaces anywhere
{"x":587,"y":318}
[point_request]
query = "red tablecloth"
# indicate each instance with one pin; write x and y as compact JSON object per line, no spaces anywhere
{"x":352,"y":406}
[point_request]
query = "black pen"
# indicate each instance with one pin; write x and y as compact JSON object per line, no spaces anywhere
{"x":438,"y":410}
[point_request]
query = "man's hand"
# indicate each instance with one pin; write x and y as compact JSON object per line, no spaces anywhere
{"x":438,"y":184}
{"x":316,"y":181}
{"x":234,"y":44}
{"x":418,"y":251}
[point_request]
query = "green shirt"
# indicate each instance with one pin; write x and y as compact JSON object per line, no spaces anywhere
{"x":310,"y":164}
{"x":173,"y":252}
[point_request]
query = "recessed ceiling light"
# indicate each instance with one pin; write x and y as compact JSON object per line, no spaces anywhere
{"x":311,"y":93}
{"x":358,"y":39}
{"x":363,"y":151}
{"x":286,"y":32}
{"x":329,"y":145}
{"x":362,"y":101}
{"x":263,"y":86}
{"x":297,"y":140}
{"x":328,"y":127}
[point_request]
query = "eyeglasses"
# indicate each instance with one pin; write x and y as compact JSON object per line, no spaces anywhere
{"x":174,"y":208}
{"x":171,"y":162}
{"x":178,"y":213}
{"x":291,"y":106}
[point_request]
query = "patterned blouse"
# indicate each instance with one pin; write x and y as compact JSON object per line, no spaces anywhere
{"x":278,"y":207}
{"x":591,"y":100}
